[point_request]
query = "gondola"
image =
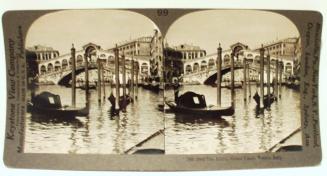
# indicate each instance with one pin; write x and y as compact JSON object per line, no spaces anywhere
{"x":195,"y":105}
{"x":153,"y":86}
{"x":266,"y":102}
{"x":91,"y":86}
{"x":122,"y":104}
{"x":49,"y":105}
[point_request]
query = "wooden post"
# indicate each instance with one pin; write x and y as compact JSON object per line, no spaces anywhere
{"x":232,"y":80}
{"x":103,"y":81}
{"x":117,"y":77}
{"x":132,"y":78}
{"x":99,"y":80}
{"x":244,"y":80}
{"x":219,"y":50}
{"x":276,"y":78}
{"x":137,"y":81}
{"x":262,"y":50}
{"x":280,"y":78}
{"x":248,"y":78}
{"x":268,"y":78}
{"x":86,"y":70}
{"x":124,"y":81}
{"x":73,"y":53}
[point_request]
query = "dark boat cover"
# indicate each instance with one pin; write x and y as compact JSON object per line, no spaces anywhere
{"x":47,"y":100}
{"x":192,"y":100}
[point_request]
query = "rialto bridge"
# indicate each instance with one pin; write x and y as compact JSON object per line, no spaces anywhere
{"x":203,"y":70}
{"x":59,"y":69}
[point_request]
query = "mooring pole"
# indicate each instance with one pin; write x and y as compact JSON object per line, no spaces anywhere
{"x":276,"y":78}
{"x":137,"y":81}
{"x":117,"y":77}
{"x":103,"y":81}
{"x":262,"y":50}
{"x":219,"y":50}
{"x":99,"y":80}
{"x":244,"y":79}
{"x":232,"y":80}
{"x":132,"y":78}
{"x":248,"y":78}
{"x":280,"y":78}
{"x":73,"y":53}
{"x":268,"y":78}
{"x":86,"y":70}
{"x":124,"y":81}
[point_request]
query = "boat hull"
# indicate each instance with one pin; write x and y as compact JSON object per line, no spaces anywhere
{"x":209,"y":112}
{"x":64,"y":112}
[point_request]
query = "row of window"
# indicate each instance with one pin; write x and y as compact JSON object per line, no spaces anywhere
{"x":276,"y":46}
{"x":131,"y":46}
{"x":46,"y":56}
{"x":192,"y":55}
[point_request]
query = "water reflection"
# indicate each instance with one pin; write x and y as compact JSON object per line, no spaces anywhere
{"x":99,"y":132}
{"x":247,"y":131}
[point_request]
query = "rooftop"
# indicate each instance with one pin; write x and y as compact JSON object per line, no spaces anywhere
{"x":40,"y":48}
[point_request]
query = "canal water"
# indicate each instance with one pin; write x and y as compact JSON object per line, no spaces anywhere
{"x":244,"y":132}
{"x":99,"y":133}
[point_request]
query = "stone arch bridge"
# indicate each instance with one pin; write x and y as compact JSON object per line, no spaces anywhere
{"x":203,"y":70}
{"x":59,"y":70}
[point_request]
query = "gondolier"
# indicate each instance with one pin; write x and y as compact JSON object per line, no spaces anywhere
{"x":176,"y":87}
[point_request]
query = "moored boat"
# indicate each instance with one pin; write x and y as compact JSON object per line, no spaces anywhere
{"x":195,"y":105}
{"x":266,"y":99}
{"x":49,"y":105}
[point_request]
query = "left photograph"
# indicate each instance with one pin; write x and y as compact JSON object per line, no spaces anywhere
{"x":94,"y":84}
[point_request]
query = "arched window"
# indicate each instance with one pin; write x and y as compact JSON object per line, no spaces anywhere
{"x":226,"y":59}
{"x":79,"y":60}
{"x":43,"y":69}
{"x":196,"y":67}
{"x":204,"y":65}
{"x":144,"y":68}
{"x":57,"y":66}
{"x":188,"y":69}
{"x":211,"y":63}
{"x":50,"y":67}
{"x":257,"y":59}
{"x":249,"y":55}
{"x":64,"y":64}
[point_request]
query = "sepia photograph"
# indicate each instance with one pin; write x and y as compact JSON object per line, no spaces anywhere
{"x":162,"y":89}
{"x":219,"y":81}
{"x":90,"y":76}
{"x":232,"y":83}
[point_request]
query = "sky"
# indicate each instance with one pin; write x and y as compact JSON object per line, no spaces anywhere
{"x":209,"y":28}
{"x":204,"y":28}
{"x":103,"y":27}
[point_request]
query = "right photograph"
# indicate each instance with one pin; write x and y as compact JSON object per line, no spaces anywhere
{"x":232,"y":83}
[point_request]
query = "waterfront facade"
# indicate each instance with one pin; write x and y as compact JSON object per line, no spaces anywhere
{"x":43,"y":53}
{"x":285,"y":49}
{"x":190,"y":52}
